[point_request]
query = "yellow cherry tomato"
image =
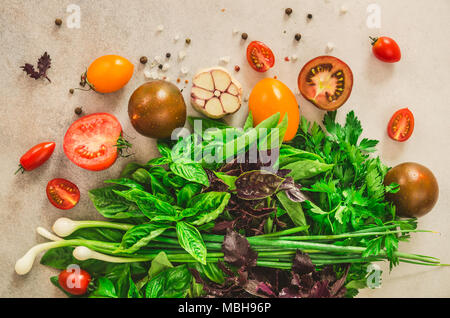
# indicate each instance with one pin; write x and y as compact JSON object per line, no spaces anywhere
{"x":109,"y":73}
{"x":270,"y":96}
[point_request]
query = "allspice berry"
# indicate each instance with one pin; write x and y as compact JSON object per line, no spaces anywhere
{"x":143,"y":60}
{"x":58,"y":22}
{"x":288,"y":11}
{"x":78,"y":110}
{"x":298,"y":36}
{"x":244,"y":36}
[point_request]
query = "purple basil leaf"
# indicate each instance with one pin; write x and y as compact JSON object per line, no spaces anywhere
{"x":338,"y":289}
{"x":257,"y":184}
{"x":320,"y":290}
{"x":302,"y":263}
{"x":237,"y":250}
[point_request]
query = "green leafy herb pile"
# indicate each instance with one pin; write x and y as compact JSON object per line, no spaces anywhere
{"x":205,"y":220}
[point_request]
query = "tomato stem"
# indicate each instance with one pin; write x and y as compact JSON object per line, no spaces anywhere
{"x":373,"y":39}
{"x":123,"y":144}
{"x":21,"y":169}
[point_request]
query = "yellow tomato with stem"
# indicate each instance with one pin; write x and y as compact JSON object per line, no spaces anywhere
{"x":108,"y":73}
{"x":270,"y":96}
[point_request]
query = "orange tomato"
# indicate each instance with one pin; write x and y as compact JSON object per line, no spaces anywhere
{"x":109,"y":73}
{"x":270,"y":96}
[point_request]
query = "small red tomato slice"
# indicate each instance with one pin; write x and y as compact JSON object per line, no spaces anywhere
{"x":401,"y":125}
{"x":62,"y":193}
{"x":36,"y":156}
{"x":386,"y":49}
{"x":75,"y":281}
{"x":260,"y":56}
{"x":90,"y":142}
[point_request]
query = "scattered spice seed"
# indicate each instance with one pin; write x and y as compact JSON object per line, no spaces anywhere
{"x":168,"y":55}
{"x":178,"y":80}
{"x":78,"y":110}
{"x":71,"y":91}
{"x":186,"y":81}
{"x":298,"y":36}
{"x":309,"y":16}
{"x":244,"y":36}
{"x":286,"y":58}
{"x":58,"y":22}
{"x":288,"y":11}
{"x":188,"y":41}
{"x":275,"y":77}
{"x":160,"y":66}
{"x":223,"y":10}
{"x":143,"y":60}
{"x":237,"y":68}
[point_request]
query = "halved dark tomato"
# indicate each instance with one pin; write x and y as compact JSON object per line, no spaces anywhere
{"x":90,"y":142}
{"x":62,"y":193}
{"x":260,"y":56}
{"x":401,"y":125}
{"x":326,"y":81}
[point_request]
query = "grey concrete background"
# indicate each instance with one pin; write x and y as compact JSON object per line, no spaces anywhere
{"x":35,"y":111}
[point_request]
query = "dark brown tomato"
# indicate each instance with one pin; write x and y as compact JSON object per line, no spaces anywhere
{"x":156,"y":108}
{"x":419,"y":189}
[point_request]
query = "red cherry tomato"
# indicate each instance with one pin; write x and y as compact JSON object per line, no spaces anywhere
{"x":62,"y":193}
{"x":75,"y":282}
{"x":386,"y":49}
{"x":90,"y":142}
{"x":36,"y":156}
{"x":260,"y":56}
{"x":401,"y":125}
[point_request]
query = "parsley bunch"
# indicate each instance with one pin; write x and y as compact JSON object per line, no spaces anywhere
{"x":350,"y":196}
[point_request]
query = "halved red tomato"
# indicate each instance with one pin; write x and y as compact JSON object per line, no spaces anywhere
{"x":401,"y":125}
{"x":260,"y":56}
{"x":326,"y":81}
{"x":90,"y":142}
{"x":62,"y":193}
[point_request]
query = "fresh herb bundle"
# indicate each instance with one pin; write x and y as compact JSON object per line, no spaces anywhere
{"x":176,"y":224}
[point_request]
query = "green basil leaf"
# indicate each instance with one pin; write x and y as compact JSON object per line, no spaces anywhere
{"x":192,"y":172}
{"x":293,"y":209}
{"x":305,"y":169}
{"x":97,"y":234}
{"x":159,"y":263}
{"x":130,"y":168}
{"x":113,"y":206}
{"x":210,"y":205}
{"x":129,"y":183}
{"x":54,"y":280}
{"x":210,"y":271}
{"x":191,"y":240}
{"x":164,"y":149}
{"x":248,"y":122}
{"x":230,"y":181}
{"x":187,"y":192}
{"x":206,"y":123}
{"x":105,"y":289}
{"x":139,"y":236}
{"x":159,"y":161}
{"x":170,"y":283}
{"x":275,"y":136}
{"x":133,"y":291}
{"x":150,"y":205}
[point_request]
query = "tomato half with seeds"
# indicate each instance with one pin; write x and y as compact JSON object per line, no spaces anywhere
{"x":401,"y":125}
{"x":260,"y":56}
{"x":91,"y":141}
{"x":62,"y":193}
{"x":326,"y":81}
{"x":108,"y":73}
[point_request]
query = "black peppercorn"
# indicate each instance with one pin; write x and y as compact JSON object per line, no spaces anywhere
{"x":160,"y":66}
{"x":78,"y":110}
{"x":143,"y":60}
{"x":188,"y":41}
{"x":244,"y":36}
{"x":58,"y":22}
{"x":288,"y":11}
{"x":168,"y":55}
{"x":298,"y":36}
{"x":71,"y":91}
{"x":309,"y":16}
